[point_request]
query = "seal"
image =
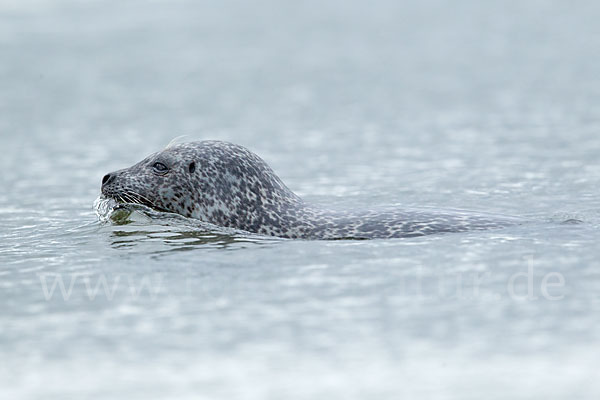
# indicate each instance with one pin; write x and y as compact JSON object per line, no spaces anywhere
{"x":228,"y":185}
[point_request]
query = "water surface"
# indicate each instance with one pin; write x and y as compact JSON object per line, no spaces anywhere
{"x":489,"y":106}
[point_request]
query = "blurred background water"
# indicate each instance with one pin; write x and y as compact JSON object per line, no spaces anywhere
{"x":489,"y":106}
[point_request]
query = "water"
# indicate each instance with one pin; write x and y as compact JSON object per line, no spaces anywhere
{"x":490,"y":106}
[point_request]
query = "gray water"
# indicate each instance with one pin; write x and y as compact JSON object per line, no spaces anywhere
{"x":482,"y":105}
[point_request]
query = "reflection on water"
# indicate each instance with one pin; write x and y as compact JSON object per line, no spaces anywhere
{"x":183,"y":240}
{"x":133,"y":224}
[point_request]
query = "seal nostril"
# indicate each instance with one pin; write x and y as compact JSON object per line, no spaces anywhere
{"x":108,"y":178}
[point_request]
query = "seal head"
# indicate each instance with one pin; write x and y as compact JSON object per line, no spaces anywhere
{"x":216,"y":182}
{"x":227,"y":185}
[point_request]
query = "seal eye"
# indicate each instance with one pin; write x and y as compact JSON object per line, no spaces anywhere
{"x":192,"y":167}
{"x":160,"y":167}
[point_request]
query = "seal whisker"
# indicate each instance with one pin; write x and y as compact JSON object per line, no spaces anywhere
{"x":137,"y":198}
{"x":122,"y":197}
{"x":129,"y":199}
{"x":174,"y":140}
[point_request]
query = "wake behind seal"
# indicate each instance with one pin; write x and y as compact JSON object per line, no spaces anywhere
{"x":227,"y":185}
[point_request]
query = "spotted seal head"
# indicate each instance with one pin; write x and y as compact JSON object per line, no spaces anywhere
{"x":227,"y":185}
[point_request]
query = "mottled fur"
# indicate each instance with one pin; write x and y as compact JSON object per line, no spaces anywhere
{"x":228,"y":185}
